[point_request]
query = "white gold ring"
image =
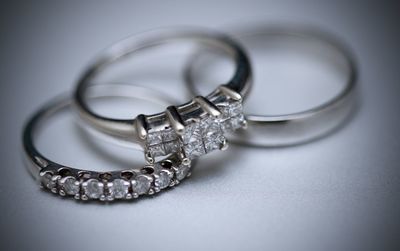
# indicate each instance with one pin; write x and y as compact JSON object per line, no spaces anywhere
{"x":295,"y":127}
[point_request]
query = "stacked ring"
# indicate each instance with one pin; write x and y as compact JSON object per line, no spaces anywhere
{"x":104,"y":186}
{"x":193,"y":128}
{"x":297,"y":127}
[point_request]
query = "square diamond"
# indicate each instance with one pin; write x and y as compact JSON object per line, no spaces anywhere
{"x":237,"y":122}
{"x":169,"y":135}
{"x":157,"y":150}
{"x":232,"y":116}
{"x":162,"y":143}
{"x":224,"y":110}
{"x":192,"y":140}
{"x":171,"y":147}
{"x":235,"y":109}
{"x":213,"y":143}
{"x":203,"y":137}
{"x":192,"y":133}
{"x":212,"y":134}
{"x":194,"y":149}
{"x":154,"y":138}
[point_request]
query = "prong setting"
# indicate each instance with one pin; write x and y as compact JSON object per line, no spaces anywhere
{"x":175,"y":120}
{"x":207,"y":106}
{"x":230,"y":93}
{"x":141,"y":126}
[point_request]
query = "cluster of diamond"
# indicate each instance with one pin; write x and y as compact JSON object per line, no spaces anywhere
{"x":161,"y":143}
{"x":201,"y":136}
{"x":232,"y":116}
{"x":119,"y":188}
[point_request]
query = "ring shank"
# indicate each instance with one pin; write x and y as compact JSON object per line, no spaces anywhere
{"x":124,"y":128}
{"x":304,"y":126}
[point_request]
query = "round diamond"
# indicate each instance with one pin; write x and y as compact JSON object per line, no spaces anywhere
{"x":93,"y":189}
{"x":70,"y":186}
{"x":141,"y":185}
{"x":119,"y":188}
{"x":182,"y":172}
{"x":47,"y":181}
{"x":162,"y":180}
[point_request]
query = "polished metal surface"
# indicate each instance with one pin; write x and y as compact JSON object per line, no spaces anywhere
{"x":303,"y":126}
{"x":124,"y":128}
{"x":53,"y":176}
{"x":339,"y":193}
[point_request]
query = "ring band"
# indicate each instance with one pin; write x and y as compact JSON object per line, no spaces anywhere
{"x":194,"y":128}
{"x":298,"y":127}
{"x":104,"y":186}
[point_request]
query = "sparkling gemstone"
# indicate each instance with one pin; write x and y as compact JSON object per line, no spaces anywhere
{"x":47,"y":181}
{"x":171,"y":147}
{"x":141,"y":185}
{"x":119,"y":188}
{"x":212,"y":134}
{"x":213,"y":143}
{"x":235,"y":109}
{"x":233,"y":117}
{"x":154,"y":138}
{"x":169,"y":135}
{"x":225,"y":111}
{"x":70,"y":186}
{"x":226,"y":126}
{"x":162,"y":180}
{"x":193,"y":142}
{"x":182,"y":172}
{"x":194,"y":150}
{"x":157,"y":150}
{"x":93,"y":189}
{"x":192,"y":133}
{"x":237,"y":122}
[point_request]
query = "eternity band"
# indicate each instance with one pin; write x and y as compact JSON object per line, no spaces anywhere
{"x":92,"y":185}
{"x":193,"y":128}
{"x":298,"y":127}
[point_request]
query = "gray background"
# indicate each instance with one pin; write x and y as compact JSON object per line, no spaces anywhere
{"x":339,"y":193}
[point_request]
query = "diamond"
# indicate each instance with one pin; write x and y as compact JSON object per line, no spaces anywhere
{"x":193,"y":142}
{"x":47,"y":181}
{"x":93,"y":188}
{"x":237,"y":122}
{"x":154,"y":138}
{"x":233,"y":117}
{"x":224,"y":110}
{"x":213,"y":143}
{"x":192,"y":133}
{"x":169,"y":135}
{"x":141,"y":184}
{"x":235,"y":108}
{"x":70,"y":185}
{"x":194,"y":150}
{"x":162,"y":142}
{"x":212,"y":134}
{"x":171,"y":147}
{"x":162,"y":180}
{"x":156,"y":150}
{"x":182,"y":171}
{"x":118,"y":188}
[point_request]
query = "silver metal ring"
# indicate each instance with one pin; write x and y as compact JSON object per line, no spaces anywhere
{"x":299,"y":127}
{"x":194,"y":128}
{"x":92,"y":185}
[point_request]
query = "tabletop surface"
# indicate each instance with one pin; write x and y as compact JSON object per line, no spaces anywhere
{"x":338,"y":193}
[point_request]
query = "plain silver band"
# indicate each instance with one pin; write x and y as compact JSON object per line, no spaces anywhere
{"x":124,"y":128}
{"x":301,"y":127}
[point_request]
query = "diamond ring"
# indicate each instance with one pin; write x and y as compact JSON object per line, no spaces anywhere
{"x":91,"y":185}
{"x":192,"y":129}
